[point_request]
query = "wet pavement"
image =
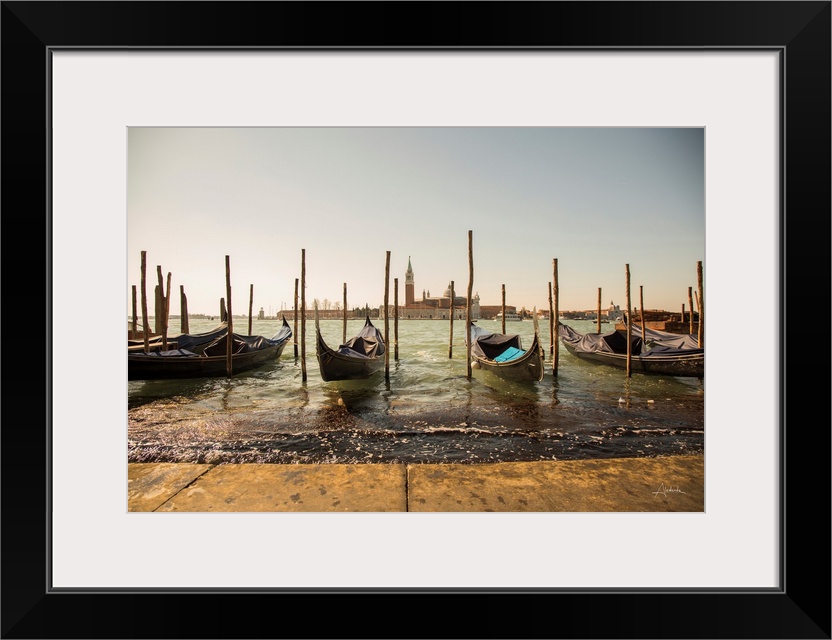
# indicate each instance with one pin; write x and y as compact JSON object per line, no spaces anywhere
{"x":659,"y":484}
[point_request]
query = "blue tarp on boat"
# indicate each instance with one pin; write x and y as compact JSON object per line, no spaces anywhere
{"x":509,"y":354}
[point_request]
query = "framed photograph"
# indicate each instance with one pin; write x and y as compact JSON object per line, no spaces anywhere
{"x":79,"y":77}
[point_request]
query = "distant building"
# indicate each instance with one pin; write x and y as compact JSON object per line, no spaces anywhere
{"x":490,"y":311}
{"x":612,"y":313}
{"x":434,"y":308}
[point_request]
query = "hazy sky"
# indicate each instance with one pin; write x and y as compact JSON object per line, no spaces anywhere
{"x":596,"y":199}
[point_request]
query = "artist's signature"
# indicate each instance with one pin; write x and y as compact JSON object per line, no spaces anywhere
{"x":663,"y":490}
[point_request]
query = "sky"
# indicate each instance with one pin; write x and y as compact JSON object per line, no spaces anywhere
{"x":596,"y":199}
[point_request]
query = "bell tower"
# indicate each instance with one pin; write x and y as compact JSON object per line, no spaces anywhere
{"x":409,"y":298}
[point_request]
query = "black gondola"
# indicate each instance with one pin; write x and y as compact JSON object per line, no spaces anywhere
{"x":360,"y":357}
{"x":658,"y":352}
{"x":504,"y":356}
{"x":249,"y":352}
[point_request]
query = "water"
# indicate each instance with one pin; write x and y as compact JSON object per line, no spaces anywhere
{"x":428,"y":411}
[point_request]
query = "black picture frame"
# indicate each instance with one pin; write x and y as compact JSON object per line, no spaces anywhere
{"x":800,"y":31}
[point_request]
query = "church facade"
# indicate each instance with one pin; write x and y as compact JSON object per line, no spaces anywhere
{"x":434,"y":308}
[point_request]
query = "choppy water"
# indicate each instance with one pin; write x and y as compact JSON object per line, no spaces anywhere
{"x":427,"y":412}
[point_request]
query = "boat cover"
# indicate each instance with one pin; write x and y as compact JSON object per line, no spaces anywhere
{"x":241,"y":344}
{"x":664,"y":341}
{"x":489,"y":345}
{"x":192,"y":341}
{"x":658,"y":343}
{"x":171,"y":353}
{"x":367,"y":343}
{"x":509,"y":354}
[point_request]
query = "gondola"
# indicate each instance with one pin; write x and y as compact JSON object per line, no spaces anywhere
{"x":360,"y":357}
{"x":195,"y":342}
{"x":249,"y":352}
{"x":504,"y":356}
{"x":657,"y":352}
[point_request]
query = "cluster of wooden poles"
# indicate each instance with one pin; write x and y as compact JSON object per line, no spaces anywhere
{"x":699,"y":299}
{"x":163,"y":297}
{"x":163,"y":303}
{"x":554,"y":312}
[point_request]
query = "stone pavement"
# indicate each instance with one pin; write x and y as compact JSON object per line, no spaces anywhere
{"x":673,"y":483}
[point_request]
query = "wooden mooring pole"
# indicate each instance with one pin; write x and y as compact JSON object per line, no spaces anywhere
{"x":303,"y":314}
{"x":229,"y":341}
{"x":184,"y":321}
{"x":690,"y":302}
{"x":451,"y":337}
{"x":250,"y":306}
{"x":629,"y":323}
{"x":159,"y":310}
{"x":387,"y":317}
{"x":161,"y":305}
{"x":701,"y":305}
{"x":344,"y":339}
{"x":598,"y":312}
{"x":295,"y":332}
{"x":167,"y":314}
{"x":135,"y":325}
{"x":468,"y":303}
{"x":556,"y":313}
{"x":144,"y":304}
{"x":504,"y":308}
